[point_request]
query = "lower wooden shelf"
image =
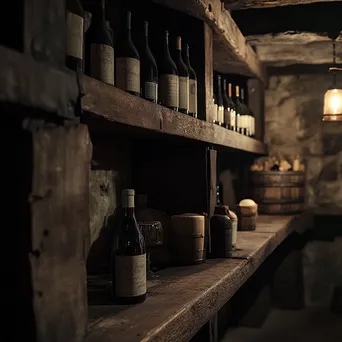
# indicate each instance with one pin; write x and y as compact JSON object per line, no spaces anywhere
{"x":106,"y":106}
{"x":182,"y":299}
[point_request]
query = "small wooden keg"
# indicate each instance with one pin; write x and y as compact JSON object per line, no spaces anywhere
{"x":187,"y":239}
{"x":247,"y":213}
{"x":278,"y":192}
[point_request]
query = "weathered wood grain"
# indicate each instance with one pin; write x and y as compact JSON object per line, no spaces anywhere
{"x":59,"y":227}
{"x":37,"y":85}
{"x":183,"y":299}
{"x":245,"y":4}
{"x":208,"y":72}
{"x":107,"y":105}
{"x":231,"y":53}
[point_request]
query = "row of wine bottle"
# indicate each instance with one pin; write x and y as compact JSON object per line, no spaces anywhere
{"x":234,"y":116}
{"x":174,"y":85}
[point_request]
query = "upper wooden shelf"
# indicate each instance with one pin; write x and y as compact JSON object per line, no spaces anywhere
{"x":36,"y":85}
{"x":231,"y":52}
{"x":182,"y":299}
{"x":106,"y":105}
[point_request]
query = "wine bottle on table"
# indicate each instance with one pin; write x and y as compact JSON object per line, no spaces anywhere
{"x":168,"y":83}
{"x":219,"y":99}
{"x":239,"y":111}
{"x":99,"y":47}
{"x":75,"y":35}
{"x":232,"y":108}
{"x":226,"y":105}
{"x":183,"y":76}
{"x":128,"y":256}
{"x":192,"y":85}
{"x":148,"y":71}
{"x":127,"y":61}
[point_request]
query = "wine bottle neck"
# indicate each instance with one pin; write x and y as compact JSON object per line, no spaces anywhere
{"x":166,"y":46}
{"x":129,"y":212}
{"x":187,"y":56}
{"x":146,"y":34}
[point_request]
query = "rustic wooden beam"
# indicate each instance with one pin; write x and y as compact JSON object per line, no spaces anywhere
{"x":54,"y":230}
{"x":208,"y":72}
{"x":291,"y":37}
{"x":231,"y":53}
{"x":36,"y":85}
{"x":294,"y":47}
{"x":183,"y":299}
{"x":107,"y":106}
{"x":245,"y":4}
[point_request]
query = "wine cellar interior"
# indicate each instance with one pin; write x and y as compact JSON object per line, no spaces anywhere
{"x":225,"y":118}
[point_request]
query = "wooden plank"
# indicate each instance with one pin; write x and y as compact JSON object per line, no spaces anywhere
{"x":181,"y":300}
{"x":107,"y":105}
{"x":59,"y":212}
{"x":231,"y":53}
{"x":245,"y":4}
{"x":37,"y":85}
{"x":208,"y":72}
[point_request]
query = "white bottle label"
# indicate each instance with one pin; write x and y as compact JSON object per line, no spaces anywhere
{"x":169,"y":90}
{"x":220,"y":114}
{"x":74,"y":41}
{"x":183,"y":92}
{"x":102,"y":63}
{"x":151,"y":91}
{"x":215,"y":112}
{"x":232,"y":119}
{"x":227,"y":116}
{"x":128,"y":74}
{"x":193,"y":97}
{"x":130,"y":275}
{"x":238,"y":122}
{"x":234,"y":232}
{"x":253,"y":125}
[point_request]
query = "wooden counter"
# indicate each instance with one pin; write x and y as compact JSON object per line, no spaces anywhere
{"x":183,"y":299}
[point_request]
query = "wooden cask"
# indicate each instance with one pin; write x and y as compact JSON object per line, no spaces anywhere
{"x":278,"y":192}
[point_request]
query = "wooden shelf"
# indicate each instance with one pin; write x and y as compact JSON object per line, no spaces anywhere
{"x":182,"y":299}
{"x":108,"y":105}
{"x":36,"y":85}
{"x":232,"y":54}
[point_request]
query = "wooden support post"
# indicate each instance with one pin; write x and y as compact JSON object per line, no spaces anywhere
{"x":208,"y":72}
{"x":256,"y":103}
{"x":54,"y":230}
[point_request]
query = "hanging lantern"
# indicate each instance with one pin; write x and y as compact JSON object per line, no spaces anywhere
{"x":332,"y":110}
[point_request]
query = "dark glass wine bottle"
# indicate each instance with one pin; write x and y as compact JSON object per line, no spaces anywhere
{"x":232,"y":108}
{"x":127,"y":61}
{"x":168,"y":79}
{"x":252,"y":123}
{"x":239,"y":112}
{"x":226,"y":105}
{"x":128,"y":256}
{"x":247,"y":116}
{"x":99,"y":47}
{"x":183,"y":77}
{"x":214,"y":109}
{"x":75,"y":35}
{"x":219,"y":99}
{"x":192,"y":85}
{"x":148,"y":70}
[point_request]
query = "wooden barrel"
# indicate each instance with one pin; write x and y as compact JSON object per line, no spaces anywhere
{"x":278,"y":192}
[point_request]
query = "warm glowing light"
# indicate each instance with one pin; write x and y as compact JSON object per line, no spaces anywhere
{"x":332,"y":105}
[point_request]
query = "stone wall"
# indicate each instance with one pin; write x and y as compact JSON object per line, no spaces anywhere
{"x":293,"y":126}
{"x":293,"y":112}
